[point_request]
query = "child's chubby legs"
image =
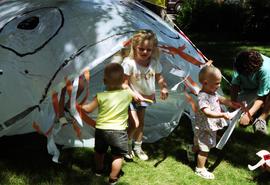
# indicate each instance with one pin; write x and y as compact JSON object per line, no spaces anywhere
{"x":118,"y":142}
{"x":200,"y":170}
{"x":101,"y":147}
{"x":135,"y":131}
{"x":204,"y":140}
{"x":117,"y":162}
{"x":201,"y":159}
{"x":138,"y":136}
{"x":133,"y":123}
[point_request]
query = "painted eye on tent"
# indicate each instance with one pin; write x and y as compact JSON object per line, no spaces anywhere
{"x":29,"y":23}
{"x":29,"y":32}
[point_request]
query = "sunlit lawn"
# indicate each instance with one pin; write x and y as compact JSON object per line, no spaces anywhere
{"x":24,"y":159}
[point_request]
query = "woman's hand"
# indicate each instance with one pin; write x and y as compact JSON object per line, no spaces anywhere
{"x":244,"y":120}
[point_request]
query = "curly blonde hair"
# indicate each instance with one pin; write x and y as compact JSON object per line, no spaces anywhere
{"x":139,"y":37}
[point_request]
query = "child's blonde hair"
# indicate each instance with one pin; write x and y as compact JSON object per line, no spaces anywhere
{"x":139,"y":37}
{"x":208,"y":71}
{"x":113,"y":75}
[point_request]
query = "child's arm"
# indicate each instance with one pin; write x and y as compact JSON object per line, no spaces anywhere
{"x":125,"y":84}
{"x":212,"y":114}
{"x":163,"y":86}
{"x":90,"y":107}
{"x":136,"y":96}
{"x":229,"y":103}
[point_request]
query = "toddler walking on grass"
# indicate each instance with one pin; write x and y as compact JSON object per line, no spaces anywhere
{"x":112,"y":119}
{"x":209,"y":118}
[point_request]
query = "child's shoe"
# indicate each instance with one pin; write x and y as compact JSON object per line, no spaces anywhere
{"x":259,"y":125}
{"x":202,"y":172}
{"x":190,"y":154}
{"x":99,"y":173}
{"x":141,"y":154}
{"x":112,"y":181}
{"x":130,"y":154}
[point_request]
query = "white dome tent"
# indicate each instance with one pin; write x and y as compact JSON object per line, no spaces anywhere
{"x":46,"y":46}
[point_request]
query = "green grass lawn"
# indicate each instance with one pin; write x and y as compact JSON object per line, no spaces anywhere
{"x":24,"y":159}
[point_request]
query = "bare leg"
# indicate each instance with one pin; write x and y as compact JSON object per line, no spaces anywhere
{"x":200,"y":169}
{"x":133,"y":122}
{"x":201,"y":159}
{"x":266,"y":108}
{"x":116,"y":167}
{"x":138,"y":135}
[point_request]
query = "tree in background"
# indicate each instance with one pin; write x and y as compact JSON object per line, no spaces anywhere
{"x":245,"y":19}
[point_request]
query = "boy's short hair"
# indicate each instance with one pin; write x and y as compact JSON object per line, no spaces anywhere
{"x":113,"y":74}
{"x":206,"y":71}
{"x":248,"y":62}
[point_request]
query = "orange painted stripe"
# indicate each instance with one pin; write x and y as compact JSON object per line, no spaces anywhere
{"x":180,"y":51}
{"x":55,"y":104}
{"x":37,"y":128}
{"x":85,"y":116}
{"x":191,"y":102}
{"x":62,"y":102}
{"x":69,"y":88}
{"x":194,"y":84}
{"x":82,"y":114}
{"x":127,"y":42}
{"x":87,"y":78}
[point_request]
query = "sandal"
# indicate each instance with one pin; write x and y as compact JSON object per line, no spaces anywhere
{"x":202,"y":172}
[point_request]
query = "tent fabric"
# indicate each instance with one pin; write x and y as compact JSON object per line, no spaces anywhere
{"x":45,"y":45}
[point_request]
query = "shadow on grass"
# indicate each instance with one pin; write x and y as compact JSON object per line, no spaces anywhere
{"x":25,"y":160}
{"x":174,"y":144}
{"x":26,"y":157}
{"x":240,"y":150}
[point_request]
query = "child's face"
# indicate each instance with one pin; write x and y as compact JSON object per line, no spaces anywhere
{"x":212,"y":83}
{"x":143,"y":51}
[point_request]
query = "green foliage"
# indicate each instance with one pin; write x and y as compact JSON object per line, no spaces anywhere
{"x":250,"y":20}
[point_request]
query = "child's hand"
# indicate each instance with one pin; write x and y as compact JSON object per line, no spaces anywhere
{"x":138,"y":97}
{"x":227,"y":116}
{"x":236,"y":105}
{"x":164,"y":93}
